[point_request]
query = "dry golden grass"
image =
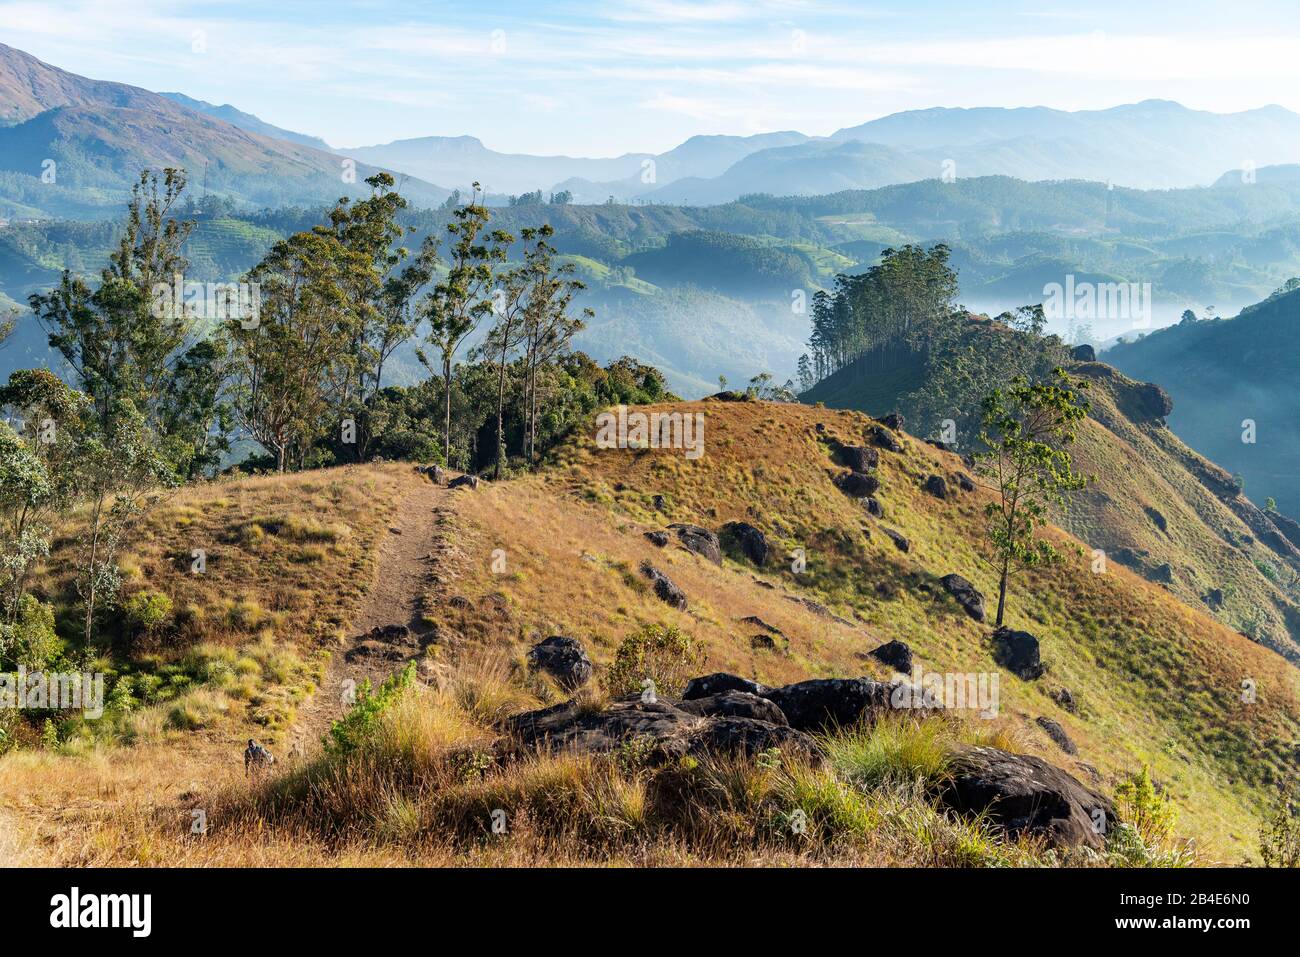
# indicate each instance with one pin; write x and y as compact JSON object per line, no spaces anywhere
{"x":1159,"y":682}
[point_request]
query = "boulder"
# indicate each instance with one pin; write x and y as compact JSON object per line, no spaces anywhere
{"x":574,"y":726}
{"x":857,"y":484}
{"x":885,"y":439}
{"x":745,"y":540}
{"x":873,"y":507}
{"x":900,"y":542}
{"x":763,"y":642}
{"x":734,"y":704}
{"x":1157,"y":518}
{"x":658,"y":539}
{"x":894,"y":654}
{"x":966,"y":594}
{"x":1083,"y":353}
{"x":1017,"y":651}
{"x":1066,"y":699}
{"x":965,"y":482}
{"x":726,"y":735}
{"x":665,"y":588}
{"x":464,"y":481}
{"x":1025,"y":794}
{"x":699,"y":540}
{"x":825,"y":703}
{"x":432,"y":472}
{"x":893,"y":421}
{"x":760,"y":623}
{"x":1213,"y":598}
{"x":859,"y":458}
{"x":1057,"y":734}
{"x":817,"y":608}
{"x":718,"y":683}
{"x":660,"y":503}
{"x":564,"y":659}
{"x":936,"y":485}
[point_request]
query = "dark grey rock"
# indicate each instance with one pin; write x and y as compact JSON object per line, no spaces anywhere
{"x":1017,"y":651}
{"x":967,"y":595}
{"x":734,"y":704}
{"x":895,"y":654}
{"x":718,"y":683}
{"x":825,"y":703}
{"x":1057,"y":734}
{"x":936,"y":485}
{"x":743,"y":539}
{"x":665,"y":588}
{"x":1025,"y":794}
{"x":857,"y":484}
{"x":699,"y":540}
{"x":899,"y":540}
{"x":564,"y":659}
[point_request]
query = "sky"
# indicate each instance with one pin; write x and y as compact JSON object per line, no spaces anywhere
{"x":605,"y":77}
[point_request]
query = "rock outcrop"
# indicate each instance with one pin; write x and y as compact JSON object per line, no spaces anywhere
{"x":665,"y":588}
{"x":1025,"y":794}
{"x":1017,"y":651}
{"x":699,"y":540}
{"x":966,"y":594}
{"x":745,"y":540}
{"x":564,"y":659}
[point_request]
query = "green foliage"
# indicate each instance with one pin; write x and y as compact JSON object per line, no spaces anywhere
{"x":1279,"y":837}
{"x":351,"y":731}
{"x":30,"y":639}
{"x":660,"y":653}
{"x":1152,"y":815}
{"x":145,"y":611}
{"x":1026,"y":430}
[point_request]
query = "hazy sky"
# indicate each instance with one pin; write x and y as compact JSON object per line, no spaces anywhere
{"x":603,"y":77}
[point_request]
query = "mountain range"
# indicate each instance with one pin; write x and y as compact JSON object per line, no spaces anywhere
{"x":72,"y":147}
{"x":100,"y":133}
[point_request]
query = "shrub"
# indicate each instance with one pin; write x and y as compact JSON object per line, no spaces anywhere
{"x":1279,"y":838}
{"x":31,"y":639}
{"x":350,"y":732}
{"x":145,"y":611}
{"x":662,"y":654}
{"x":1152,"y":815}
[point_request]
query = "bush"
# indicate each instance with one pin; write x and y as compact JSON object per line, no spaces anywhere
{"x":1279,"y":838}
{"x":31,"y":639}
{"x":662,"y":654}
{"x":1152,"y":815}
{"x":350,"y":732}
{"x":145,"y":611}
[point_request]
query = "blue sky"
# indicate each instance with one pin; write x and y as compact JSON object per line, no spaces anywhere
{"x":609,"y":76}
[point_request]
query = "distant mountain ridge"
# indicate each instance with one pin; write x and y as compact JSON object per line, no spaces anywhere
{"x":247,"y":121}
{"x":74,"y":146}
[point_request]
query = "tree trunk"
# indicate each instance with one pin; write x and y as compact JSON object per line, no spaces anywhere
{"x":501,"y":430}
{"x":1002,"y":593}
{"x":446,"y":419}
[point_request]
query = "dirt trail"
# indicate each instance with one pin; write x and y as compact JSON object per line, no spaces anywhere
{"x":406,"y":561}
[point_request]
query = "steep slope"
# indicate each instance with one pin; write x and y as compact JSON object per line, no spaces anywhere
{"x":1223,"y":372}
{"x":246,"y":121}
{"x":1153,"y":504}
{"x":101,"y":135}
